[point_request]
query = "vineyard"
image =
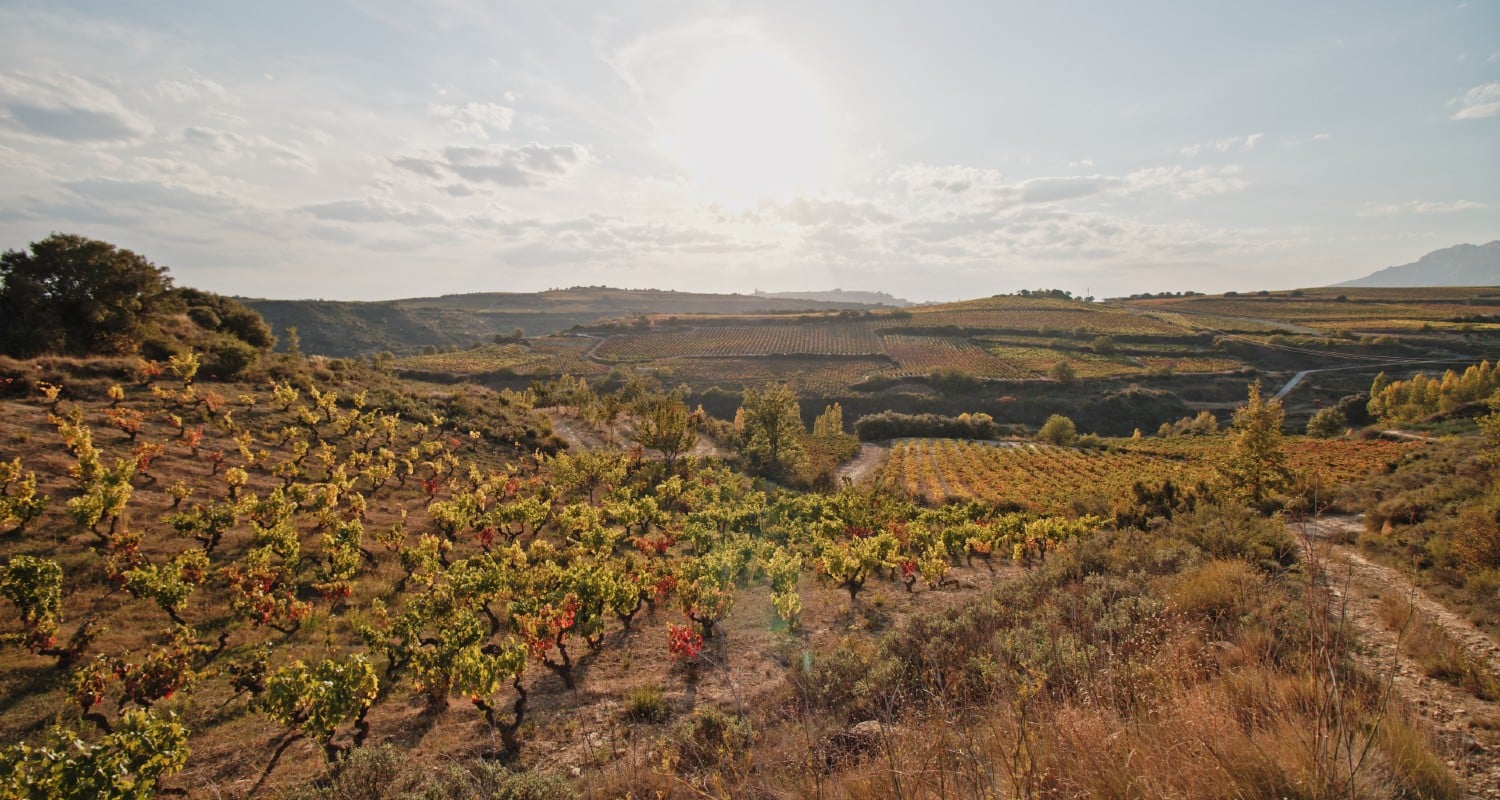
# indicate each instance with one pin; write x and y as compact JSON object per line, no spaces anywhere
{"x":552,"y":355}
{"x":1054,"y":480}
{"x":920,"y":355}
{"x":805,"y":374}
{"x":475,"y":361}
{"x":835,"y":339}
{"x":256,"y":579}
{"x":1009,"y":313}
{"x":1332,"y":309}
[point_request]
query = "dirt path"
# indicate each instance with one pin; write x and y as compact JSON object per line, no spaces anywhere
{"x":1469,"y":727}
{"x":863,"y":467}
{"x":576,"y":432}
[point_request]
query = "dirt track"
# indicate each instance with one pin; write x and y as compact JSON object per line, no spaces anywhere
{"x":864,"y":466}
{"x":1468,"y":727}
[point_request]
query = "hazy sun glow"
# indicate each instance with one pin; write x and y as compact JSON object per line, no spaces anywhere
{"x":752,"y":126}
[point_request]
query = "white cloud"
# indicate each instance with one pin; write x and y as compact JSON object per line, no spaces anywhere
{"x":813,"y":211}
{"x":370,"y":210}
{"x":192,"y":90}
{"x":1423,"y":207}
{"x":953,"y":179}
{"x":1185,"y":183}
{"x":68,"y":108}
{"x":504,"y":165}
{"x":475,"y":119}
{"x":1479,"y":102}
{"x":1247,"y":142}
{"x":1053,"y":190}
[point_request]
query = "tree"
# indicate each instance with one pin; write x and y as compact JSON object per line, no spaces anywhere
{"x":666,"y":425}
{"x":1255,"y":465}
{"x":830,"y":423}
{"x":78,"y":295}
{"x":1327,"y":423}
{"x":1058,"y":430}
{"x":773,"y":430}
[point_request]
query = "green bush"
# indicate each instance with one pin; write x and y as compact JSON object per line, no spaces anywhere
{"x":644,"y":704}
{"x":1058,"y":430}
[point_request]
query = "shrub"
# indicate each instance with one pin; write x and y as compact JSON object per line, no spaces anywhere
{"x":644,"y":704}
{"x":1222,"y":592}
{"x":228,"y":358}
{"x":1233,"y":531}
{"x":893,"y":425}
{"x":709,"y":738}
{"x":1327,"y":423}
{"x":952,"y":379}
{"x":1062,"y":372}
{"x":1058,"y":430}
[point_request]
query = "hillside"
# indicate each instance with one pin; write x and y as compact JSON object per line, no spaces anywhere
{"x":841,"y":296}
{"x":298,"y":592}
{"x":1460,"y":265}
{"x":1123,"y":365}
{"x":347,"y":328}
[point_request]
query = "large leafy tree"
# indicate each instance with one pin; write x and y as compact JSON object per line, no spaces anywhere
{"x":1255,"y":465}
{"x":773,"y":430}
{"x":72,"y":294}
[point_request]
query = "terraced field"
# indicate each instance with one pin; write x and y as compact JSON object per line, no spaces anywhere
{"x":806,"y":374}
{"x":1342,"y":308}
{"x":920,"y":355}
{"x":835,"y":339}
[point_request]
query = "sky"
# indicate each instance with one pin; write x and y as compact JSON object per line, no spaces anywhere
{"x":376,"y":149}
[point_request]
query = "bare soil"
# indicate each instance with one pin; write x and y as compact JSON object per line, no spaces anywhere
{"x":866,"y":464}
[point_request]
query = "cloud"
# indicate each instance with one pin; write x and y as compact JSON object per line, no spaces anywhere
{"x":1479,"y":102}
{"x":68,"y":108}
{"x":1423,"y":207}
{"x":812,"y":211}
{"x":223,"y":141}
{"x":1185,"y":183}
{"x":1053,"y":190}
{"x":1223,"y":145}
{"x":475,"y":119}
{"x":259,"y":147}
{"x":369,"y":210}
{"x":192,"y":90}
{"x":504,"y":165}
{"x":948,"y":179}
{"x":155,"y":194}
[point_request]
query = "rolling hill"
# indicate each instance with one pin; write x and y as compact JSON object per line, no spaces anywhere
{"x":348,"y":328}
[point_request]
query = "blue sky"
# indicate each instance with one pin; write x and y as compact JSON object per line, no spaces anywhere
{"x":375,"y":149}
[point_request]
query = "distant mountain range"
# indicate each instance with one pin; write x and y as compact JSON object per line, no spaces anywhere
{"x":841,"y":296}
{"x":1460,"y":265}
